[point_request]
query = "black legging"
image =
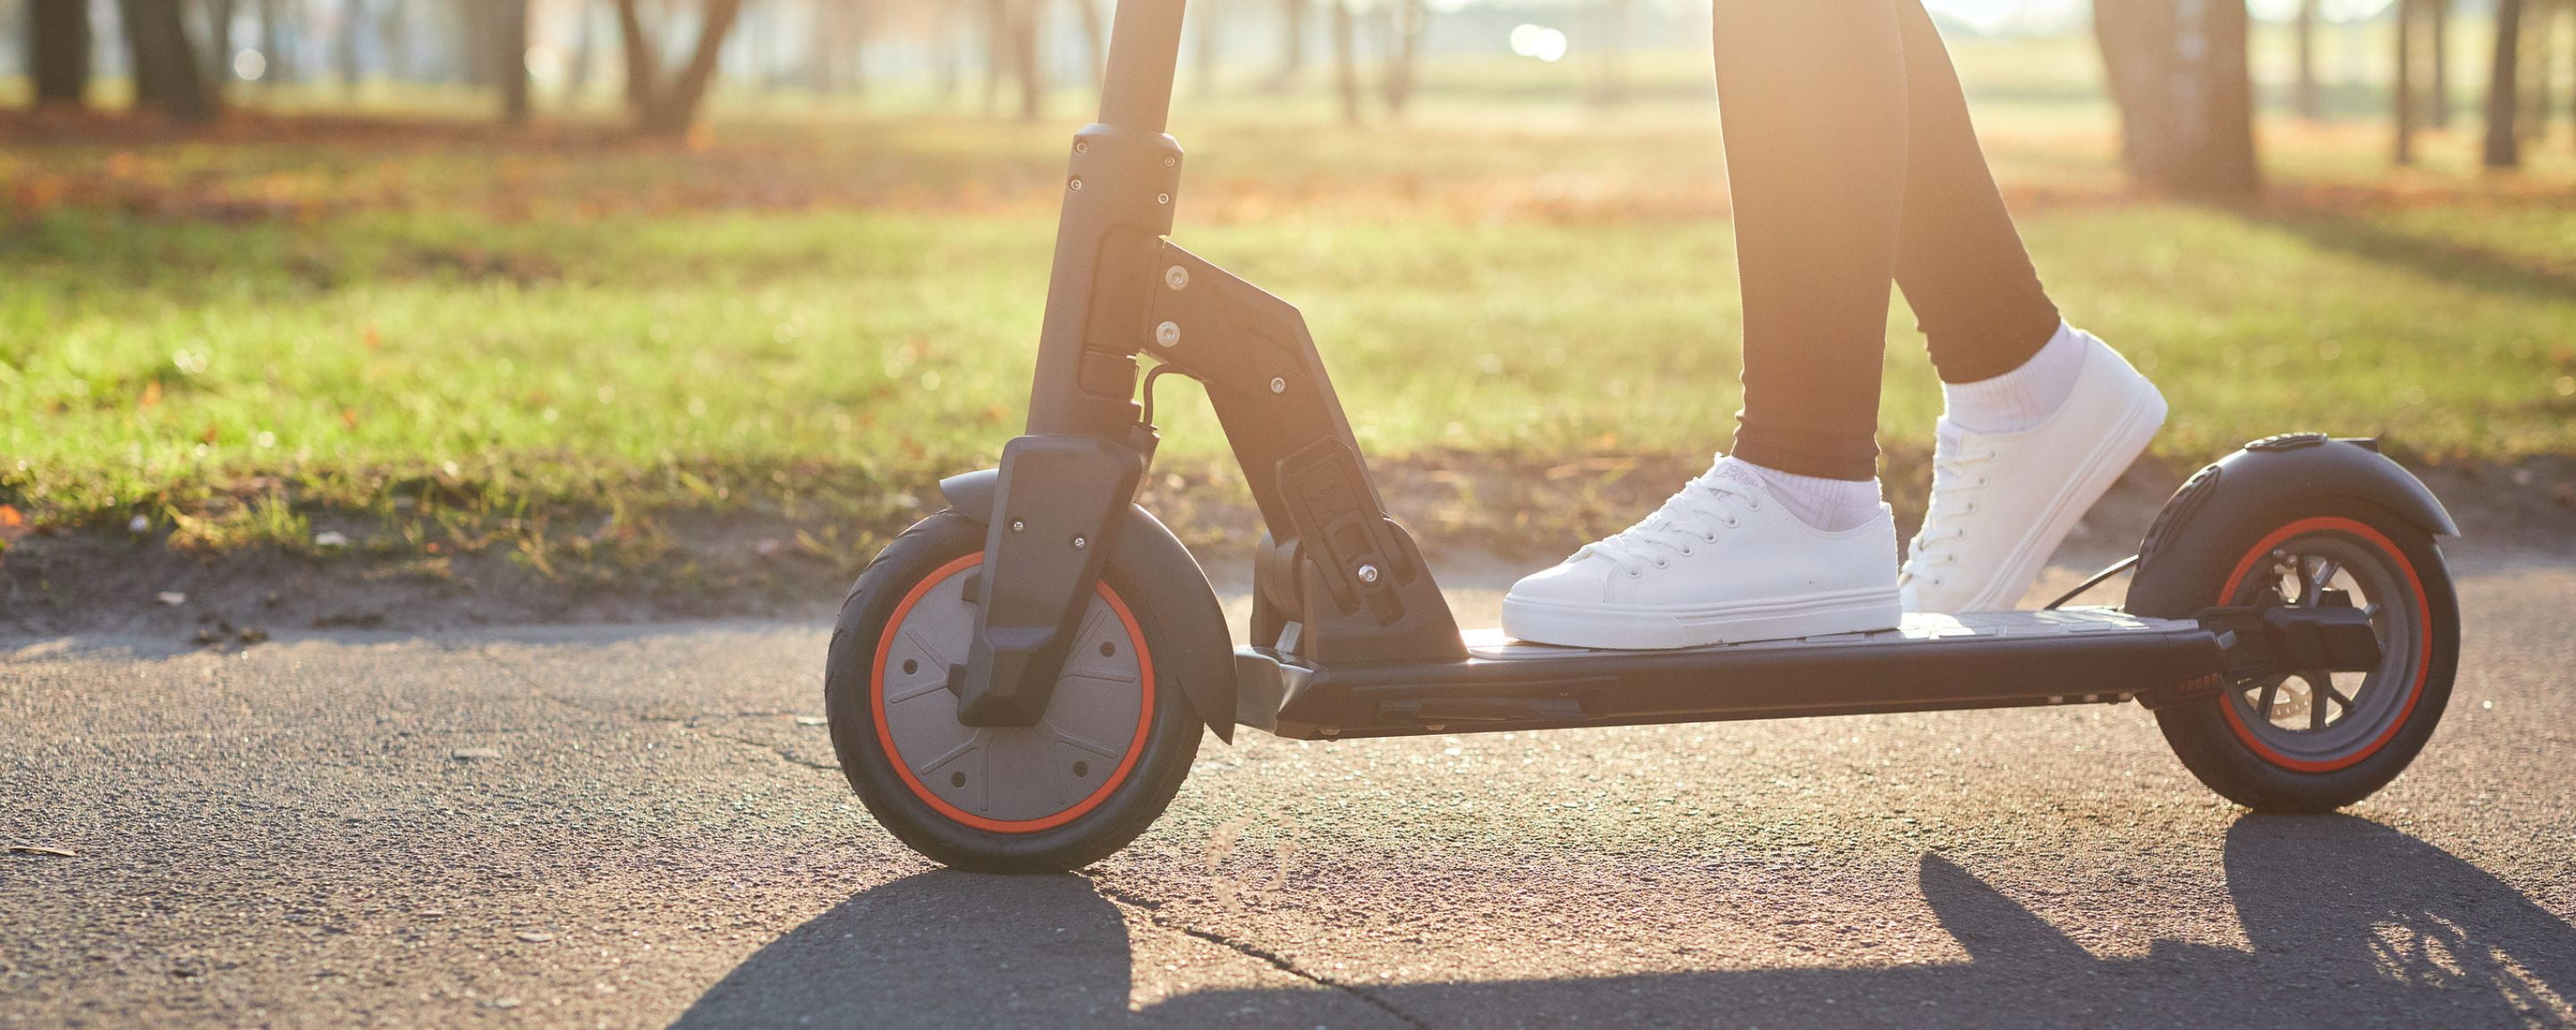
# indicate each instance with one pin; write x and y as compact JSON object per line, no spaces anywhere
{"x":1851,"y":162}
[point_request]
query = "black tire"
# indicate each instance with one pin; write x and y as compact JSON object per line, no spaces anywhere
{"x":1165,"y":744}
{"x":2235,"y":743}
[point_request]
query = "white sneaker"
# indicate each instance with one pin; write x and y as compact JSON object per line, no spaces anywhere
{"x":1721,"y":562}
{"x":2001,"y":502}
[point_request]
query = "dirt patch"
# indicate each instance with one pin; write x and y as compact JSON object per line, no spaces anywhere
{"x":1464,"y":508}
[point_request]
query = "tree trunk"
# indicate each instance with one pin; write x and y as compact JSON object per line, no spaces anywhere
{"x":1611,"y":86}
{"x":1095,"y":39}
{"x":950,"y":71}
{"x":510,"y":58}
{"x":2502,"y":149}
{"x":2540,"y":51}
{"x":58,"y":46}
{"x":2401,"y":98}
{"x":1204,"y":60}
{"x":676,"y":109}
{"x":2439,"y":105}
{"x":642,"y":64}
{"x":2177,"y":72}
{"x":1404,"y":29}
{"x":997,"y":33}
{"x":1346,"y":72}
{"x":823,"y":62}
{"x":344,"y":53}
{"x":219,"y":40}
{"x":393,"y":33}
{"x":2304,"y":91}
{"x":1292,"y":42}
{"x":165,"y":62}
{"x":273,"y":43}
{"x":1024,"y":58}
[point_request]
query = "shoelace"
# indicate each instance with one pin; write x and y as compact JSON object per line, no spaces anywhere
{"x":1688,"y":519}
{"x":1955,"y":483}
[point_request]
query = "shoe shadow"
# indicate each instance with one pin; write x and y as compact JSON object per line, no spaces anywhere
{"x":2349,"y":922}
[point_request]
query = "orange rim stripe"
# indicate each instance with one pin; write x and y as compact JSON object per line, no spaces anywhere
{"x":2423,"y":637}
{"x":885,"y":738}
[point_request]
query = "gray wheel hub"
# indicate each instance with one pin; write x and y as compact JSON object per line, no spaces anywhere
{"x":1011,"y":774}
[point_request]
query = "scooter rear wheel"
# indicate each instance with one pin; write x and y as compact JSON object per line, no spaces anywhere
{"x":2311,"y":740}
{"x":1097,"y":768}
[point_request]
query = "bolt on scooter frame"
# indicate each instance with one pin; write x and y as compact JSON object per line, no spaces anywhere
{"x":1350,"y":634}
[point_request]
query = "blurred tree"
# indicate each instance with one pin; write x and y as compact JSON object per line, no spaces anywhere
{"x":2538,"y":53}
{"x":2401,"y":96}
{"x":2303,"y":92}
{"x":2438,"y":105}
{"x":509,"y":42}
{"x":1095,"y":38}
{"x":275,"y":43}
{"x":344,"y":47}
{"x":840,"y":45}
{"x":219,"y":41}
{"x":1400,"y":24}
{"x":1292,"y":42}
{"x":669,"y":109}
{"x":1346,"y":72}
{"x":58,"y":46}
{"x":2503,"y":149}
{"x":2177,"y":73}
{"x":393,"y":23}
{"x":1610,"y":87}
{"x":165,"y":62}
{"x":1204,"y":19}
{"x":1025,"y":17}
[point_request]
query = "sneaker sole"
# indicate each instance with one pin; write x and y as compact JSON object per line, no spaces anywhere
{"x":1642,"y":628}
{"x":2110,"y":459}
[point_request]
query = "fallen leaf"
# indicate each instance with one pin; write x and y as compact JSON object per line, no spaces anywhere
{"x":534,"y":937}
{"x":812,"y":720}
{"x":39,"y":849}
{"x":475,"y":754}
{"x":330,"y":538}
{"x":172,"y":598}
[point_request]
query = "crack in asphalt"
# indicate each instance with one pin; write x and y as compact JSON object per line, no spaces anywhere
{"x":771,"y":748}
{"x":1152,"y":911}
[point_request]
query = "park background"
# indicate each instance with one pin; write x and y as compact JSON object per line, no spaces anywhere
{"x":386,"y":313}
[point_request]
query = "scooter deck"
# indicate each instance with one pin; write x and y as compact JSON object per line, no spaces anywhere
{"x":1997,"y":660}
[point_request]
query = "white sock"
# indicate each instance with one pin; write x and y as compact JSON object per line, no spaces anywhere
{"x":1829,"y":505}
{"x":2024,"y":397}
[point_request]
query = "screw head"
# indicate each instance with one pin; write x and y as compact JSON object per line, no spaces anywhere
{"x":1075,"y":185}
{"x":1168,"y":334}
{"x":1162,"y":198}
{"x":1017,"y":525}
{"x":1082,"y":146}
{"x":1176,"y":277}
{"x":1368,"y":573}
{"x":1080,"y":543}
{"x":1170,"y":161}
{"x":1278,"y":385}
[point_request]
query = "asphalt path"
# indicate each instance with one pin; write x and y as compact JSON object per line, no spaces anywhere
{"x":642,"y":826}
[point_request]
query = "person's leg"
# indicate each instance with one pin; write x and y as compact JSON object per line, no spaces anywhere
{"x":2040,"y":418}
{"x":1811,"y":95}
{"x":1960,"y":261}
{"x":1786,"y":537}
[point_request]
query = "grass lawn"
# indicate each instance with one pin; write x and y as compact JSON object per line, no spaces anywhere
{"x":460,"y":336}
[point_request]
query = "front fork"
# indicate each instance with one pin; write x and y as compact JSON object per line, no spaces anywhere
{"x":1337,"y":580}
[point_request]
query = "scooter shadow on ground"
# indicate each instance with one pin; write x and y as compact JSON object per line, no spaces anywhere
{"x":2349,"y":921}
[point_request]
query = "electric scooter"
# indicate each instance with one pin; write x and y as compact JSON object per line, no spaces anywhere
{"x":1020,"y":682}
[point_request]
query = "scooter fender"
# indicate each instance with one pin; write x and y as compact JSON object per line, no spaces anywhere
{"x":1199,"y":652}
{"x":2196,"y":540}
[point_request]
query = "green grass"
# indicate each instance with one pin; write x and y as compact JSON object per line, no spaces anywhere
{"x":459,"y":332}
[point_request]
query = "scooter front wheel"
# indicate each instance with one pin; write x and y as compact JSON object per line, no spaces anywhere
{"x":1097,"y":768}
